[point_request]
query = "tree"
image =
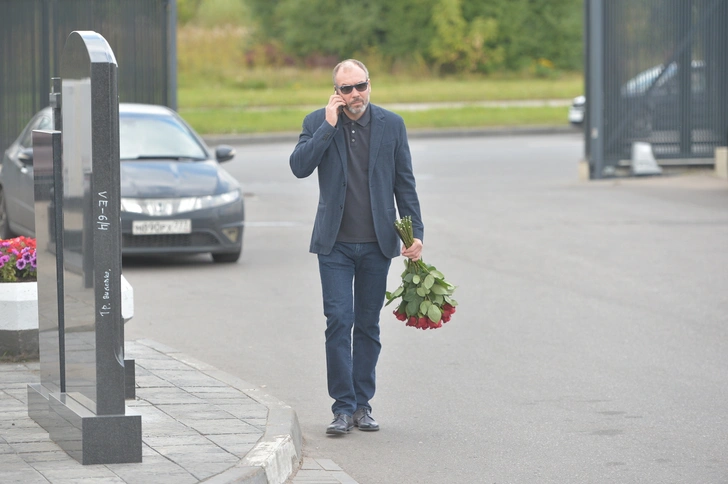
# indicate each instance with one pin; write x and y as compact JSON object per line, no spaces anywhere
{"x":450,"y":35}
{"x":459,"y":45}
{"x":187,"y":10}
{"x":329,"y":27}
{"x":534,"y":29}
{"x":264,"y":17}
{"x":405,"y":29}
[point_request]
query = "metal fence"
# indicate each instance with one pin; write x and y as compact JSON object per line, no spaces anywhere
{"x":142,"y":34}
{"x":656,"y":71}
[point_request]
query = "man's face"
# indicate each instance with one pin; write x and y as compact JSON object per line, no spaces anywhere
{"x":356,"y":102}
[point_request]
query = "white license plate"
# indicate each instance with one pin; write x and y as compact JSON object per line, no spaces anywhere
{"x":154,"y":227}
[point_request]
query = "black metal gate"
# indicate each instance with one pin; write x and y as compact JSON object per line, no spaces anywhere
{"x":656,"y":71}
{"x":142,"y":34}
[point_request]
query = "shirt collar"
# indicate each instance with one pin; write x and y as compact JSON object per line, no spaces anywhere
{"x":363,"y":121}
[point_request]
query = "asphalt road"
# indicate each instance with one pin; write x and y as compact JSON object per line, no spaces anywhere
{"x":590,"y":344}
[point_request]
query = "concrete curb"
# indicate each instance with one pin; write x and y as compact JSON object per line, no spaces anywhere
{"x":277,"y":454}
{"x":292,"y":137}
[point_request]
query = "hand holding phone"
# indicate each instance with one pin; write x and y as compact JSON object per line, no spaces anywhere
{"x":334,"y":108}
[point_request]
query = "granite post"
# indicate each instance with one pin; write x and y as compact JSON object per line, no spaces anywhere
{"x":80,"y":399}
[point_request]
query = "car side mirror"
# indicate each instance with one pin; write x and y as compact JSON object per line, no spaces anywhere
{"x":26,"y":156}
{"x":224,"y":153}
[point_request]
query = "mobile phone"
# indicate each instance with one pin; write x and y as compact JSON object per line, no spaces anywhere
{"x":341,"y":108}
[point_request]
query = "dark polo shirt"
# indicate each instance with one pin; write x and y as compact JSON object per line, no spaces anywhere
{"x":357,"y":224}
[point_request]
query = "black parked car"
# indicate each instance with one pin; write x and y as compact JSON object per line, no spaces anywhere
{"x":175,"y":196}
{"x":654,"y":107}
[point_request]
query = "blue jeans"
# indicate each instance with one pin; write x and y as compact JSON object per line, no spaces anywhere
{"x":353,"y":280}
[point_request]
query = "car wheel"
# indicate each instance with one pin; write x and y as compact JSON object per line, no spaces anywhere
{"x":226,"y":257}
{"x":4,"y":222}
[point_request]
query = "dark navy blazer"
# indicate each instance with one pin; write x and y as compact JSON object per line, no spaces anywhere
{"x":391,"y":179}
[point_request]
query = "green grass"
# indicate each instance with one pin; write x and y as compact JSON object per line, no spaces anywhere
{"x":480,"y":117}
{"x":236,"y":121}
{"x":257,"y":92}
{"x":263,"y":102}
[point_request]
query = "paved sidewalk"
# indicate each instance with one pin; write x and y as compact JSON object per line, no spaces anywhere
{"x":198,"y":424}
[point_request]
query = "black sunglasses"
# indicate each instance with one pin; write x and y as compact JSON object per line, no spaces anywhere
{"x":361,"y":87}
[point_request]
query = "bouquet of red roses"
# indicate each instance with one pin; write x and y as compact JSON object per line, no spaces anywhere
{"x":427,"y":300}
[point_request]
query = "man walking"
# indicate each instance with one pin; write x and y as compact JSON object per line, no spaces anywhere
{"x":361,"y":154}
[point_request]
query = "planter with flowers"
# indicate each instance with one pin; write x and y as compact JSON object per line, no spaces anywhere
{"x":18,"y":297}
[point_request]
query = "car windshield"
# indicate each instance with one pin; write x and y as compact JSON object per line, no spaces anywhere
{"x":643,"y":81}
{"x":148,"y":137}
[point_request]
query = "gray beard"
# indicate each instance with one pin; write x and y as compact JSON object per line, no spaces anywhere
{"x":358,"y":110}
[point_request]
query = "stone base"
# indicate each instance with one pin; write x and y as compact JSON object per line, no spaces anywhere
{"x":22,"y":342}
{"x":583,"y":170}
{"x":38,"y":406}
{"x":85,"y":436}
{"x":721,"y":162}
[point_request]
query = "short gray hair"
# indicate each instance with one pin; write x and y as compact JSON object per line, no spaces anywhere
{"x":347,"y":64}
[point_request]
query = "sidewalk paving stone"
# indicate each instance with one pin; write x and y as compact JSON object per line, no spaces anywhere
{"x":199,"y":424}
{"x":195,"y":425}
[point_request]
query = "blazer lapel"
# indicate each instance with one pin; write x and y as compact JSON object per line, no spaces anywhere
{"x":341,"y":147}
{"x":376,"y":135}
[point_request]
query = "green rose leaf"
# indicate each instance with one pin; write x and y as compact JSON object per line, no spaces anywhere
{"x":437,"y":274}
{"x":412,"y":308}
{"x":438,"y":289}
{"x":451,"y":301}
{"x":422,"y":292}
{"x":425,"y":306}
{"x":429,"y":281}
{"x":416,"y":279}
{"x":434,"y":314}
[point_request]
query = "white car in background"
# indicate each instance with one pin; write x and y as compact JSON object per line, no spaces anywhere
{"x":576,"y":111}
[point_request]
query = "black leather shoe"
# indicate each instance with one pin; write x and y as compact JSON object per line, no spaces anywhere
{"x":342,"y":424}
{"x":364,"y":420}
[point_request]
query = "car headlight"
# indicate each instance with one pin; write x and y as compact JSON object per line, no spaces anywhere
{"x":165,"y":207}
